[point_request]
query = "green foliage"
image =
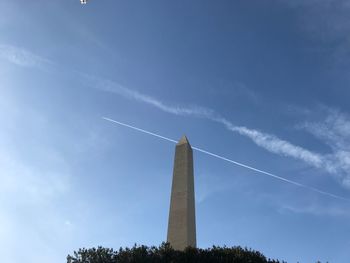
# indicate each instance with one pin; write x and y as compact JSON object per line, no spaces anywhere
{"x":165,"y":254}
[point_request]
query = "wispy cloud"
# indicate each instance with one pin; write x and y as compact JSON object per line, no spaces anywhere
{"x":334,"y":130}
{"x":276,"y":145}
{"x":112,"y":87}
{"x":336,"y":163}
{"x":22,"y":57}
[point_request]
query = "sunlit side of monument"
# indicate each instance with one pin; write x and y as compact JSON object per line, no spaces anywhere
{"x":182,"y":220}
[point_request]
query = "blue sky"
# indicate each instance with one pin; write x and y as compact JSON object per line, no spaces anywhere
{"x":264,"y":83}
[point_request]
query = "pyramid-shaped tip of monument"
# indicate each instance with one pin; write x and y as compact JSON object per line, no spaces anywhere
{"x":183,"y":140}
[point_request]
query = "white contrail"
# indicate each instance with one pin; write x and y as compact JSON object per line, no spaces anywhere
{"x":232,"y":161}
{"x":141,"y":130}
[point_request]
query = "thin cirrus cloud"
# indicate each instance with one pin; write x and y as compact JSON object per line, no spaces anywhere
{"x":22,"y":57}
{"x":336,"y":163}
{"x":334,"y":131}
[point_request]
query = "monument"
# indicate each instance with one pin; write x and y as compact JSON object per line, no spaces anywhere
{"x":182,"y":219}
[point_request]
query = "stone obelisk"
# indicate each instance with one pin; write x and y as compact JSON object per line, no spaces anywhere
{"x":182,"y":219}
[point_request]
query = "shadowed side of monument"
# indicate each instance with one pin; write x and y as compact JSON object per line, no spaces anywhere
{"x":182,"y":219}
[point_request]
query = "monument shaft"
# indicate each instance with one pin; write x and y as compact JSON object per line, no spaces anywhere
{"x":182,"y":221}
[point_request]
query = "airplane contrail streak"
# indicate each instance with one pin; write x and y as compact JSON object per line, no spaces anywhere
{"x":232,"y":161}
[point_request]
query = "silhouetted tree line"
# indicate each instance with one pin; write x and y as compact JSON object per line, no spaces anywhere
{"x":166,"y":254}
